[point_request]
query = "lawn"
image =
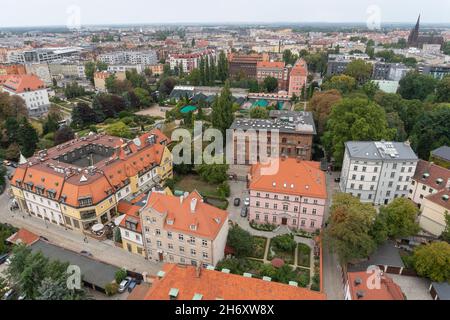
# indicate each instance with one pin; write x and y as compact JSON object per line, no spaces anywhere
{"x":192,"y":182}
{"x":275,"y":252}
{"x":304,"y":255}
{"x":259,"y":247}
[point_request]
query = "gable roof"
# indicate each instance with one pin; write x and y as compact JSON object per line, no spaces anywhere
{"x":292,"y":177}
{"x":428,"y":173}
{"x":442,"y":152}
{"x":213,"y":285}
{"x":23,"y":236}
{"x":23,"y":83}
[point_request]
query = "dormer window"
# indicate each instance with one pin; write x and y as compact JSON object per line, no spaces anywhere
{"x":426,"y":175}
{"x":85,"y":201}
{"x":439,"y":181}
{"x":193,"y":227}
{"x":170,"y":222}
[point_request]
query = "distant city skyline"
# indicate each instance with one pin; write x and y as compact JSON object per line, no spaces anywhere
{"x":28,"y":13}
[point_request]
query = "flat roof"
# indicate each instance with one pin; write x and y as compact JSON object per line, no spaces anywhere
{"x":380,"y":150}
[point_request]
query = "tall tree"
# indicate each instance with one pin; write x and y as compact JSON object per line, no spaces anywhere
{"x":63,"y":134}
{"x":400,"y":218}
{"x":222,"y":67}
{"x":433,"y":261}
{"x":345,"y":84}
{"x":359,"y":70}
{"x":321,"y":104}
{"x":27,"y":137}
{"x":270,"y":84}
{"x":443,"y":90}
{"x":416,"y":86}
{"x":222,"y":113}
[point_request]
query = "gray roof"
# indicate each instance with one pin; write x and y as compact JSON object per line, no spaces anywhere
{"x":372,"y":150}
{"x":284,"y":121}
{"x":386,"y":255}
{"x":442,"y":152}
{"x":442,"y":290}
{"x":93,"y":271}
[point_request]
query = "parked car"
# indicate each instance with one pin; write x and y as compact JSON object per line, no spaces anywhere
{"x":247,"y":202}
{"x":3,"y":258}
{"x":244,"y":212}
{"x":8,"y":295}
{"x":44,"y":238}
{"x":86,"y":253}
{"x":237,"y":202}
{"x":132,"y":285}
{"x":337,"y":180}
{"x":124,"y":284}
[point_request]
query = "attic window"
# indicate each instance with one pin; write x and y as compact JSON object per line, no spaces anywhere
{"x":193,"y":227}
{"x":445,"y":197}
{"x":439,"y":181}
{"x":426,"y":175}
{"x":170,"y":222}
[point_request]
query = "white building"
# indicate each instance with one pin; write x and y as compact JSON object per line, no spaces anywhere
{"x":31,"y":89}
{"x":129,"y":57}
{"x":191,"y":61}
{"x":377,"y":172}
{"x":43,"y":55}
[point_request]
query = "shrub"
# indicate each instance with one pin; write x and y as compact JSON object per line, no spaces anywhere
{"x":284,"y":242}
{"x":120,"y":275}
{"x":111,"y":289}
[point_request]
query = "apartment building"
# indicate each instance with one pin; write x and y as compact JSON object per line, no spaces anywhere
{"x":294,"y":195}
{"x":129,"y":57}
{"x":79,"y":183}
{"x":67,"y":70}
{"x":377,"y":172}
{"x":101,"y":76}
{"x":276,"y":70}
{"x":31,"y":89}
{"x":428,"y":189}
{"x":295,"y":130}
{"x":43,"y":55}
{"x":184,"y":229}
{"x":191,"y":61}
{"x":298,"y":78}
{"x":245,"y":65}
{"x":177,"y":282}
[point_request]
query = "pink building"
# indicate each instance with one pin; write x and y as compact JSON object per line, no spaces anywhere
{"x":298,"y":78}
{"x":294,"y":196}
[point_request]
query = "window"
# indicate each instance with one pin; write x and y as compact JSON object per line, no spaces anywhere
{"x":394,"y":166}
{"x":355,"y":168}
{"x":266,"y":218}
{"x":312,"y":223}
{"x":182,"y":249}
{"x":362,"y":178}
{"x":180,"y":237}
{"x":305,"y":210}
{"x":302,"y":223}
{"x":314,"y":211}
{"x":390,"y":184}
{"x":285,"y":207}
{"x":392,"y":174}
{"x":295,"y":209}
{"x":170,"y":246}
{"x":354,"y":177}
{"x":257,"y":203}
{"x":374,"y":178}
{"x":205,"y":255}
{"x":257,"y":216}
{"x":193,"y":252}
{"x":274,"y":219}
{"x":158,"y":232}
{"x":192,"y":240}
{"x":352,"y":186}
{"x":169,"y":235}
{"x":204,"y":243}
{"x":375,"y":169}
{"x":266,"y":205}
{"x":159,"y":244}
{"x":275,"y":206}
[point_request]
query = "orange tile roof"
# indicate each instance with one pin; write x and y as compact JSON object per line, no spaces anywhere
{"x":130,"y":210}
{"x":388,"y":289}
{"x":270,"y":64}
{"x":438,"y":198}
{"x":214,"y":285}
{"x":23,"y":236}
{"x":207,"y":218}
{"x":300,"y":69}
{"x":23,"y":83}
{"x":292,"y":177}
{"x":434,"y":171}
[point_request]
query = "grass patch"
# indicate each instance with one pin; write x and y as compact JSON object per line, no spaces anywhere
{"x":259,"y":247}
{"x":304,"y":255}
{"x":192,"y":182}
{"x":276,"y":252}
{"x":263,"y":227}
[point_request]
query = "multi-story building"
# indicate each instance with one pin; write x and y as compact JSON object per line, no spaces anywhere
{"x":276,"y":70}
{"x":191,"y":61}
{"x":176,"y":282}
{"x":67,"y":70}
{"x":441,"y":156}
{"x":377,"y":172}
{"x":43,"y":55}
{"x":31,"y":89}
{"x":428,"y":188}
{"x":184,"y":229}
{"x":295,"y":130}
{"x":337,"y":63}
{"x":79,"y":183}
{"x":295,"y":195}
{"x":298,"y":78}
{"x":437,"y":71}
{"x":129,"y":57}
{"x":101,"y":76}
{"x":157,"y":69}
{"x":241,"y":65}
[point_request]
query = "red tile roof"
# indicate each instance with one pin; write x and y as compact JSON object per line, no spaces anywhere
{"x":23,"y":83}
{"x":441,"y":198}
{"x":434,"y":172}
{"x":292,"y":177}
{"x":300,"y":69}
{"x":270,"y":65}
{"x":23,"y":236}
{"x":388,"y":289}
{"x":207,"y":218}
{"x":214,"y":285}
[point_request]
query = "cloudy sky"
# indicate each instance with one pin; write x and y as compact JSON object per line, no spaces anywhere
{"x":59,"y":12}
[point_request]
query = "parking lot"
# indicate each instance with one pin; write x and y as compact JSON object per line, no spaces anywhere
{"x":238,"y":190}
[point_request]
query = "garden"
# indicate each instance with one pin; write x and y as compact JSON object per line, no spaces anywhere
{"x":304,"y":255}
{"x":283,"y":247}
{"x":259,"y":247}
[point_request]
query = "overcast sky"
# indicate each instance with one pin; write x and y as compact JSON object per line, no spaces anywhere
{"x":55,"y":12}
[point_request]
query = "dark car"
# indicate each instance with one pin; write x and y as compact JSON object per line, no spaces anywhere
{"x":244,"y":212}
{"x":337,"y":180}
{"x":237,"y":202}
{"x":3,"y":258}
{"x":86,"y":253}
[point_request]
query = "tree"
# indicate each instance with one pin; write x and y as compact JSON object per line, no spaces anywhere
{"x":143,"y":96}
{"x":120,"y":275}
{"x":433,"y":261}
{"x":63,"y":134}
{"x":137,"y":80}
{"x":50,"y":125}
{"x":370,"y":88}
{"x":431,"y":131}
{"x":343,"y":83}
{"x":89,"y":69}
{"x":416,"y":86}
{"x":446,"y":48}
{"x":222,"y":67}
{"x":443,"y":90}
{"x":359,"y":70}
{"x":284,"y":242}
{"x":13,"y":152}
{"x":259,"y":113}
{"x":27,"y":137}
{"x":167,"y":86}
{"x":355,"y":120}
{"x":82,"y":115}
{"x":241,"y":241}
{"x":213,"y":173}
{"x":446,"y":233}
{"x":73,"y":90}
{"x":289,"y":57}
{"x":119,"y":129}
{"x":395,"y":123}
{"x":270,"y":84}
{"x":349,"y":228}
{"x":222,"y":115}
{"x":400,"y":218}
{"x":320,"y":105}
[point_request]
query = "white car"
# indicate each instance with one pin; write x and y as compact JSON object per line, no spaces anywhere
{"x":247,"y":202}
{"x":124,"y":284}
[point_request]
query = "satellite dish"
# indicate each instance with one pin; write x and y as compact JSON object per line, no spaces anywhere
{"x":137,"y":142}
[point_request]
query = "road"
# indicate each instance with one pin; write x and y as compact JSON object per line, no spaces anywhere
{"x":104,"y":251}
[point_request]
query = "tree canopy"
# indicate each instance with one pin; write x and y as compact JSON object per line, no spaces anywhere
{"x":320,"y":105}
{"x":433,"y":261}
{"x":416,"y":86}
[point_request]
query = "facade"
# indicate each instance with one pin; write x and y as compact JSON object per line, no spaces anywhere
{"x":276,"y":70}
{"x":415,"y":39}
{"x":428,"y":189}
{"x":298,"y":78}
{"x":31,"y":89}
{"x":79,"y":183}
{"x":245,"y":65}
{"x":43,"y":55}
{"x":175,"y":282}
{"x":129,"y":57}
{"x":437,"y":71}
{"x":101,"y":76}
{"x":183,"y":230}
{"x":441,"y":156}
{"x":40,"y":70}
{"x":294,"y":196}
{"x":296,"y":132}
{"x":67,"y":70}
{"x":377,"y":172}
{"x":337,"y":63}
{"x":191,"y":61}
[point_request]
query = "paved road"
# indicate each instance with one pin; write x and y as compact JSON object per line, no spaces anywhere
{"x":104,"y":251}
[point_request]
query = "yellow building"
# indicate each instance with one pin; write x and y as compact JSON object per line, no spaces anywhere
{"x":434,"y":209}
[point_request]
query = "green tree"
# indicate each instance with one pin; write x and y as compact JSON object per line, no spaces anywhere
{"x":400,"y":218}
{"x":345,"y":84}
{"x":350,"y":225}
{"x":416,"y":86}
{"x":446,"y":233}
{"x":144,"y":97}
{"x":89,"y":69}
{"x":270,"y":84}
{"x":359,"y":70}
{"x":241,"y":241}
{"x":82,"y":115}
{"x":443,"y":90}
{"x":120,"y":275}
{"x":213,"y":173}
{"x":259,"y":113}
{"x":27,"y":137}
{"x":222,"y":70}
{"x":119,"y":129}
{"x":63,"y":134}
{"x":320,"y":105}
{"x":222,"y":115}
{"x":446,"y":48}
{"x":50,"y":125}
{"x":433,"y":261}
{"x":355,"y":120}
{"x":370,"y":88}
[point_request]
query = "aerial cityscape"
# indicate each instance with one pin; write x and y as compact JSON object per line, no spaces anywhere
{"x":260,"y":154}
